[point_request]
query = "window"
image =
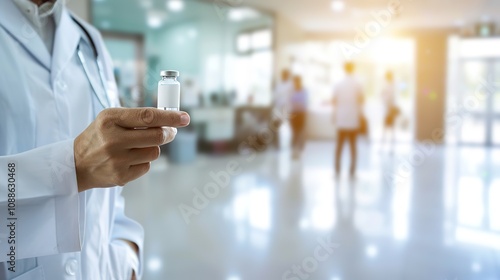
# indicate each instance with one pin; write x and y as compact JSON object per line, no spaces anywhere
{"x":253,"y":41}
{"x":252,"y":67}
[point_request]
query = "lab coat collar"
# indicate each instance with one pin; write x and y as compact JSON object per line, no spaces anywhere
{"x":66,"y":40}
{"x":19,"y":27}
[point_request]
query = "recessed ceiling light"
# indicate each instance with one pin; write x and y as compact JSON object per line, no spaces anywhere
{"x":240,"y":14}
{"x":154,"y":22}
{"x":476,"y":267}
{"x":155,"y":19}
{"x":175,"y":5}
{"x":338,"y":5}
{"x":371,"y":251}
{"x":154,"y":264}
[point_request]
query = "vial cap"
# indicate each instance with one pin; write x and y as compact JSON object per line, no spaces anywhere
{"x":169,"y":73}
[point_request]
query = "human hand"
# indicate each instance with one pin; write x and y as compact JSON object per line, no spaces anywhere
{"x":120,"y":144}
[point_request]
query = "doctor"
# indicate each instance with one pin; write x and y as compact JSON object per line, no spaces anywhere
{"x":63,"y":150}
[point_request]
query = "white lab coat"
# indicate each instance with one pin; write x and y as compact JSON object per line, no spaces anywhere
{"x":45,"y":102}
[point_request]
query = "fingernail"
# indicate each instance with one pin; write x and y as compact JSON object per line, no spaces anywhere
{"x":169,"y":134}
{"x":166,"y":134}
{"x":185,"y":119}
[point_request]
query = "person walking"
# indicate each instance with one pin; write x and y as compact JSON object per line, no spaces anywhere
{"x":281,"y":110}
{"x":391,"y":109}
{"x":348,"y":102}
{"x":298,"y":102}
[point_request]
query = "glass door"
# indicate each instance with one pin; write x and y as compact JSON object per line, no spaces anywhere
{"x":474,"y":91}
{"x":480,"y":99}
{"x":474,"y":128}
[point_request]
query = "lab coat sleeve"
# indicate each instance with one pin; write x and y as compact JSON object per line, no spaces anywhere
{"x":39,"y":203}
{"x":125,"y":228}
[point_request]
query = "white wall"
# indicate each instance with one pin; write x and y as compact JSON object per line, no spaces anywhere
{"x":287,"y":33}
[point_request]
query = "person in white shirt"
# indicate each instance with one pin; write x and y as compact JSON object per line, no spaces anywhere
{"x":283,"y":91}
{"x":348,"y":102}
{"x":64,"y":149}
{"x":282,"y":94}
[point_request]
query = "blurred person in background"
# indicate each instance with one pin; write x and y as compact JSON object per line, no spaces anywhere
{"x":390,"y":108}
{"x":298,"y":104}
{"x":348,"y":102}
{"x":282,"y":93}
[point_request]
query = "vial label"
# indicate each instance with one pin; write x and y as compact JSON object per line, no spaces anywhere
{"x":169,"y":97}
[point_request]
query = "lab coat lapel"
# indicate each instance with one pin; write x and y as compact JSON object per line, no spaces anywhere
{"x":66,"y":41}
{"x":97,"y":39}
{"x":105,"y":59}
{"x":19,"y":27}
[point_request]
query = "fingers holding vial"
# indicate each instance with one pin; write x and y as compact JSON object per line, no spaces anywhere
{"x":120,"y":144}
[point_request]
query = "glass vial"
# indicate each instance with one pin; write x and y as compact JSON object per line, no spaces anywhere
{"x":169,"y":91}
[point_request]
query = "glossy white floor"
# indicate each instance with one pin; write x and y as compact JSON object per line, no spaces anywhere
{"x":422,"y":213}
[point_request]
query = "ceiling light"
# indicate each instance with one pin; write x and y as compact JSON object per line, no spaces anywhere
{"x":175,"y":5}
{"x":240,"y":14}
{"x":476,"y":267}
{"x":154,"y":22}
{"x":371,"y":251}
{"x":338,"y":5}
{"x":155,"y":19}
{"x":154,"y":264}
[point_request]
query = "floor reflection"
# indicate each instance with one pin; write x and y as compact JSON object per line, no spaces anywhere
{"x":402,"y":217}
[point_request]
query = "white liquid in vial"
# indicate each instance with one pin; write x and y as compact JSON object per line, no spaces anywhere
{"x":169,"y":96}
